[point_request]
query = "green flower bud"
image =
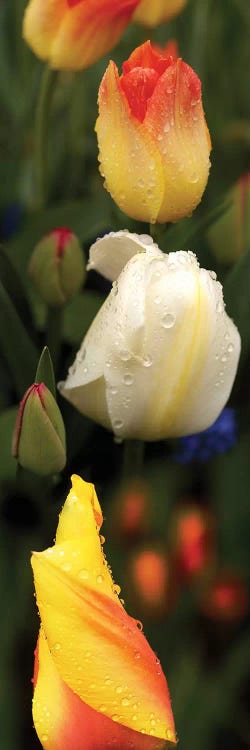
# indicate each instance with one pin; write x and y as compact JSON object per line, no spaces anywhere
{"x":39,"y":435}
{"x":229,"y":236}
{"x":57,"y":267}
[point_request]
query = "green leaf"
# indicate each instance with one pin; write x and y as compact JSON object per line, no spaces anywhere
{"x":12,"y":282}
{"x":7,"y":462}
{"x":16,"y":345}
{"x":45,"y":371}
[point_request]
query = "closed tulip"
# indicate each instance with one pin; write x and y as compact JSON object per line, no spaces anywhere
{"x":160,"y":358}
{"x":97,"y":682}
{"x":153,"y":139}
{"x":73,"y":34}
{"x":153,"y":13}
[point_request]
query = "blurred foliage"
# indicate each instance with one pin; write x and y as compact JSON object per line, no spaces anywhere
{"x":206,"y":663}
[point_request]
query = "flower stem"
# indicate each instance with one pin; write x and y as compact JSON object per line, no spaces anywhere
{"x":132,"y":458}
{"x":48,"y":82}
{"x":53,"y":334}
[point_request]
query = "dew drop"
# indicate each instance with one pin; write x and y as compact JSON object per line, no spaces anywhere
{"x":128,"y":378}
{"x":194,"y":177}
{"x":147,"y":361}
{"x":57,"y":647}
{"x":124,"y":355}
{"x":139,"y":625}
{"x":230,"y":348}
{"x":115,"y":717}
{"x":168,"y":320}
{"x":83,"y":574}
{"x":102,"y":709}
{"x":66,"y":567}
{"x":99,"y":579}
{"x":134,"y":717}
{"x":137,"y":655}
{"x":44,"y":737}
{"x":166,"y":127}
{"x":118,"y":424}
{"x":125,"y":702}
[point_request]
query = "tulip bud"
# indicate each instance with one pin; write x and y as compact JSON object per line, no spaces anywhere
{"x":229,"y":236}
{"x":160,"y":358}
{"x":192,"y":541}
{"x":225,"y":599}
{"x":154,"y":12}
{"x":131,"y":514}
{"x":57,"y":267}
{"x":150,"y":581}
{"x":153,"y":139}
{"x":39,"y":436}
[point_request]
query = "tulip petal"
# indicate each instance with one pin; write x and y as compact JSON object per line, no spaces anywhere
{"x":129,"y":157}
{"x":109,"y":254}
{"x":98,"y":650}
{"x":42,"y":19}
{"x":88,"y":31}
{"x":175,"y":120}
{"x":159,"y":388}
{"x":63,"y":721}
{"x":153,"y":13}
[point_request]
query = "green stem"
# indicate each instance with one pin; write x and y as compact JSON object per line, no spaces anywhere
{"x":133,"y":458}
{"x":54,"y":333}
{"x":49,"y":78}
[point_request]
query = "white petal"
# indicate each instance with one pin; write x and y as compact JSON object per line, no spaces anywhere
{"x":109,"y":254}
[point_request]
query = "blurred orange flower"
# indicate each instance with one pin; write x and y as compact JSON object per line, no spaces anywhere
{"x":150,"y":577}
{"x":192,"y":540}
{"x":153,"y":139}
{"x":226,"y":598}
{"x":73,"y":34}
{"x":153,"y":12}
{"x":97,"y":681}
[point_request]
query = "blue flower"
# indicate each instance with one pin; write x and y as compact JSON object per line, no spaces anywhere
{"x":218,"y":438}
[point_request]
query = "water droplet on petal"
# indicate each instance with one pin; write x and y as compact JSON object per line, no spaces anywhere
{"x":147,"y":361}
{"x":83,"y":574}
{"x":168,"y":320}
{"x":118,"y":424}
{"x":128,"y":378}
{"x":125,"y":702}
{"x":99,"y":579}
{"x":124,"y":355}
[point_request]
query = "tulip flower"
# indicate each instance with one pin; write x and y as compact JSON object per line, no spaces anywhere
{"x":57,"y":267}
{"x":39,"y":436}
{"x":192,"y":540}
{"x":225,"y":599}
{"x":97,"y":682}
{"x":160,"y":358}
{"x":153,"y":139}
{"x":74,"y":34}
{"x":154,"y":13}
{"x":151,"y":581}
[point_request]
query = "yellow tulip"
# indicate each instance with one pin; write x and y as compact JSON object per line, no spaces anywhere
{"x":97,"y":681}
{"x":153,"y":12}
{"x":73,"y":34}
{"x":160,"y":358}
{"x":153,"y":139}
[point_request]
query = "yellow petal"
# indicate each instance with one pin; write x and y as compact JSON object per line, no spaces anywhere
{"x":153,"y":13}
{"x":129,"y":158}
{"x":63,"y":721}
{"x":98,"y":650}
{"x":42,"y":19}
{"x":175,"y":120}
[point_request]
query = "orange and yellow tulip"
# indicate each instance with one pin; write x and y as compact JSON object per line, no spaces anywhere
{"x":153,"y":12}
{"x":153,"y":139}
{"x":73,"y":34}
{"x":97,"y":682}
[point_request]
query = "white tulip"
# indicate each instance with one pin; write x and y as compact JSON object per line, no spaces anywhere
{"x":160,"y":358}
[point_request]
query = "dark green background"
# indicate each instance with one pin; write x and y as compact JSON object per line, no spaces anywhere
{"x":206,"y":665}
